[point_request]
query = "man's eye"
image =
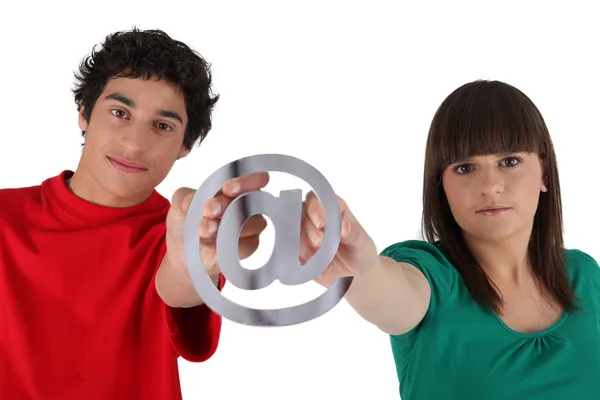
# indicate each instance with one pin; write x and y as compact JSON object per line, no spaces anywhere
{"x":118,"y":113}
{"x":164,"y":127}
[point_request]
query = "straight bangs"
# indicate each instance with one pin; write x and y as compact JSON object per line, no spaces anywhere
{"x":488,"y":118}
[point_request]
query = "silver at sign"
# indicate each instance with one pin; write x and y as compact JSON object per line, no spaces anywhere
{"x":285,"y":212}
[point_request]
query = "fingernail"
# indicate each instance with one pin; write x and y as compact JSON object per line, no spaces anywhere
{"x":216,"y":208}
{"x":234,"y":187}
{"x":345,"y":228}
{"x":318,"y":221}
{"x":315,"y":237}
{"x":212,"y":227}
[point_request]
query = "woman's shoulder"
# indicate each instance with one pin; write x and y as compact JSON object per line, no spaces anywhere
{"x":579,"y":262}
{"x":416,"y":248}
{"x":430,"y":259}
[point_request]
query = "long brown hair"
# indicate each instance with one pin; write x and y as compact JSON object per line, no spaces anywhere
{"x":490,"y":117}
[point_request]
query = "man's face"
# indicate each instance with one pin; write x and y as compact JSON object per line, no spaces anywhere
{"x":134,"y":136}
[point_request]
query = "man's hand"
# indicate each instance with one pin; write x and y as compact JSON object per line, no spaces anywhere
{"x":173,"y":281}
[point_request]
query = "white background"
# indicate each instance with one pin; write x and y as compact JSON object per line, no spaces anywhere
{"x":349,"y":87}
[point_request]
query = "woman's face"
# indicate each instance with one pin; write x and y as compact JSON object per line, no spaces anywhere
{"x":494,"y":197}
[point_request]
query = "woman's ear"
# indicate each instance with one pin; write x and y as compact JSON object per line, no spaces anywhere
{"x":544,"y":187}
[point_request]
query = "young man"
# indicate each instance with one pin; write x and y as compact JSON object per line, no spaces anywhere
{"x":95,"y":297}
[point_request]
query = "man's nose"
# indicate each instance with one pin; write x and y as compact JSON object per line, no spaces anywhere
{"x":135,"y":138}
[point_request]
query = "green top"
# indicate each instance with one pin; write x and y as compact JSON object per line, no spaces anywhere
{"x":461,"y":351}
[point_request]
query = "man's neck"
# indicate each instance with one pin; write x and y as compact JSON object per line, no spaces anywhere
{"x":85,"y":186}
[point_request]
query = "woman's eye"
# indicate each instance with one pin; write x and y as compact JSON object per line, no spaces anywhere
{"x":462,"y":169}
{"x":510,"y":162}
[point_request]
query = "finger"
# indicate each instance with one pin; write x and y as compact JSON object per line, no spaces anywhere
{"x":247,"y":183}
{"x":181,"y":200}
{"x":216,"y":206}
{"x":351,"y":229}
{"x":248,"y":246}
{"x":254,"y":226}
{"x":208,"y":228}
{"x":309,"y":228}
{"x":333,"y":271}
{"x":307,"y":249}
{"x":208,"y":244}
{"x":352,"y":232}
{"x":347,"y":222}
{"x":314,"y":210}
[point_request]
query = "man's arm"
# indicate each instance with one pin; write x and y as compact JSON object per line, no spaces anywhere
{"x":194,"y":329}
{"x":174,"y":285}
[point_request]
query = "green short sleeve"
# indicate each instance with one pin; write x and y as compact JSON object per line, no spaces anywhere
{"x":462,"y":351}
{"x":428,"y":258}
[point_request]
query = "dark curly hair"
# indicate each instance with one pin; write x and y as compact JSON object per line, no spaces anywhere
{"x":147,"y":54}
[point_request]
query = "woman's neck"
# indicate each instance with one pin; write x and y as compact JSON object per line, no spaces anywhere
{"x":504,"y":261}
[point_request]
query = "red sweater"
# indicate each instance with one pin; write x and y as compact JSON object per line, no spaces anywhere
{"x":80,"y":318}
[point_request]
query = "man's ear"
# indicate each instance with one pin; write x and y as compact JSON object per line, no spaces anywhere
{"x":83,"y":125}
{"x":183,"y":152}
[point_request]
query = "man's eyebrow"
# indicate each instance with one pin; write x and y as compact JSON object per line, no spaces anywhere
{"x":170,"y":114}
{"x":122,"y":99}
{"x":130,"y":103}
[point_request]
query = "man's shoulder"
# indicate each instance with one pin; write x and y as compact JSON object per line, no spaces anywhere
{"x":16,"y":196}
{"x":14,"y":193}
{"x":17,"y":201}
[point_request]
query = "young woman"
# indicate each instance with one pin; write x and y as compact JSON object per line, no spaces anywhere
{"x":491,"y":305}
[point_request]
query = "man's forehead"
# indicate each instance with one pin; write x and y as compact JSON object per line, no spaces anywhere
{"x":144,"y":91}
{"x":163,"y":101}
{"x":139,"y":83}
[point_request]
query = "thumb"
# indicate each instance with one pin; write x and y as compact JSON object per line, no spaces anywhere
{"x":180,"y":202}
{"x":353,"y":234}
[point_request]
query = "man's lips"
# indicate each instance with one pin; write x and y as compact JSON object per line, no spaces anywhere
{"x":130,"y":167}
